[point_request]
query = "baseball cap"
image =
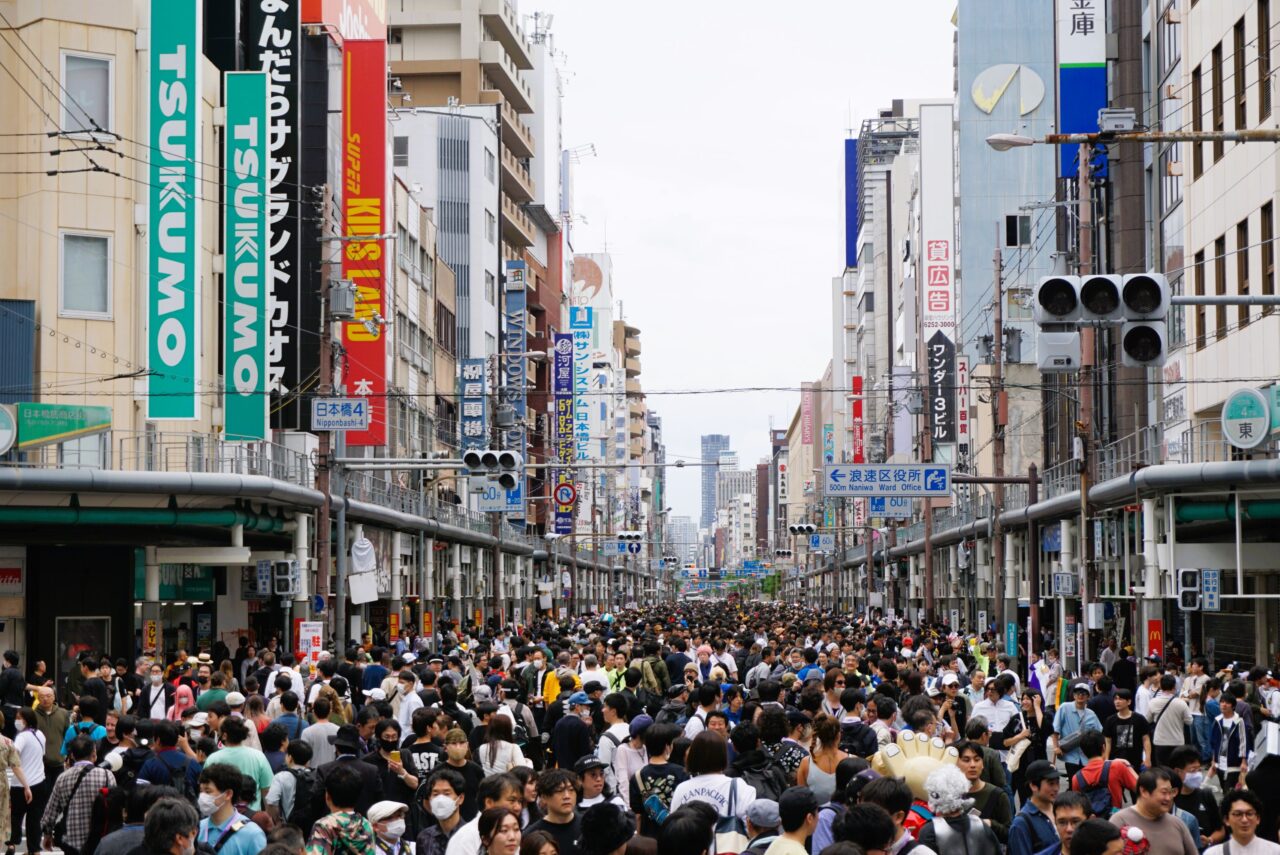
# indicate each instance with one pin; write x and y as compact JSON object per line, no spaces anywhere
{"x":199,"y":720}
{"x":593,"y":686}
{"x":763,"y":813}
{"x":1081,"y":687}
{"x":676,"y":690}
{"x":235,"y":699}
{"x":1041,"y":770}
{"x":587,"y":763}
{"x":795,"y":717}
{"x":640,"y":724}
{"x":579,"y":699}
{"x":950,"y":679}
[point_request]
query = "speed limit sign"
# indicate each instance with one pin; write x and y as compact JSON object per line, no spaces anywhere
{"x":566,"y":494}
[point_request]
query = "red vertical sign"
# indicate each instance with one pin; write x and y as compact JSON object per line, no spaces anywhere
{"x":364,"y":185}
{"x":1155,"y":638}
{"x":859,"y":450}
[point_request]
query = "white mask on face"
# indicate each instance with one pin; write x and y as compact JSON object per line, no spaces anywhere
{"x":20,"y":725}
{"x":394,"y":829}
{"x":157,"y":679}
{"x":1193,"y":781}
{"x":207,"y":804}
{"x":443,"y":807}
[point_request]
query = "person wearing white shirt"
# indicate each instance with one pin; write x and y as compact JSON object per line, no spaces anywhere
{"x":708,"y":696}
{"x":409,"y":701}
{"x":495,"y":791}
{"x":705,"y":761}
{"x":1241,"y":811}
{"x":616,"y":734}
{"x":1142,"y":698}
{"x":591,"y":671}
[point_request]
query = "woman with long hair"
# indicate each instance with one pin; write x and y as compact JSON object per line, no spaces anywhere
{"x":499,"y":753}
{"x":232,"y":684}
{"x":818,"y":770}
{"x":28,"y":803}
{"x":1039,"y":726}
{"x":183,"y":700}
{"x":706,"y":760}
{"x":255,"y":710}
{"x":499,"y":831}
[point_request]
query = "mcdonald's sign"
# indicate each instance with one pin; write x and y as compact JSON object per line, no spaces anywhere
{"x":1155,"y":638}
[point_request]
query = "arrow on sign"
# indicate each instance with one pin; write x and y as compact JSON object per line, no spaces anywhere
{"x":837,"y":475}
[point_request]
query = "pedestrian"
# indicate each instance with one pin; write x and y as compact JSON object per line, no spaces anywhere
{"x":343,"y":830}
{"x":67,"y":816}
{"x":1152,"y":813}
{"x":705,"y":762}
{"x":246,"y":761}
{"x":1243,"y":810}
{"x":170,"y":828}
{"x":443,"y":801}
{"x":223,"y":827}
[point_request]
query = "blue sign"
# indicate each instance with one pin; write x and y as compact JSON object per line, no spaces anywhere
{"x":1051,"y":538}
{"x":921,"y":480}
{"x":892,"y":507}
{"x":472,"y":416}
{"x":339,"y":414}
{"x":513,"y":391}
{"x":317,"y":604}
{"x":1210,"y":590}
{"x":822,"y":542}
{"x":562,"y":425}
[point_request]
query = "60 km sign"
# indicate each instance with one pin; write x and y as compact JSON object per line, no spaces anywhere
{"x":566,"y":494}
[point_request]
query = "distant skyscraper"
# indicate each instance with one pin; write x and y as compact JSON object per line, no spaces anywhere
{"x":712,"y":445}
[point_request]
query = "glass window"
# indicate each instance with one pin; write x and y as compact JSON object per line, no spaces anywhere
{"x":86,"y":276}
{"x":1264,"y":59}
{"x":400,"y":151}
{"x":87,"y":80}
{"x":490,"y":227}
{"x":490,"y":166}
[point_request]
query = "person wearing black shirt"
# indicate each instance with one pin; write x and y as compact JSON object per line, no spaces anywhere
{"x":1103,"y":702}
{"x":1194,"y":799}
{"x":677,"y":659}
{"x":13,"y":691}
{"x":1128,"y":735}
{"x":558,"y":790}
{"x":93,"y":684}
{"x":571,"y":737}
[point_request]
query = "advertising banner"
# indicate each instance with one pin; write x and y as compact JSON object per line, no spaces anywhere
{"x":962,"y":404}
{"x":562,"y":423}
{"x":364,"y":134}
{"x":806,"y":413}
{"x":513,"y":391}
{"x":855,"y":401}
{"x":581,"y":321}
{"x":173,"y":233}
{"x":941,"y":354}
{"x":472,"y":416}
{"x":1081,"y":31}
{"x":1155,"y":638}
{"x":245,"y":281}
{"x":828,"y":443}
{"x":274,"y":46}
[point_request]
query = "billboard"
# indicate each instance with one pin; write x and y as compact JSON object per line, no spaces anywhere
{"x":806,"y":413}
{"x":348,"y":19}
{"x":513,"y":391}
{"x":245,"y":281}
{"x":364,"y":156}
{"x":562,"y":423}
{"x":472,"y":396}
{"x":173,"y":235}
{"x":1081,"y":29}
{"x":937,"y":263}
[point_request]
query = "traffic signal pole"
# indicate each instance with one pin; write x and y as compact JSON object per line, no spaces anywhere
{"x":1084,"y":425}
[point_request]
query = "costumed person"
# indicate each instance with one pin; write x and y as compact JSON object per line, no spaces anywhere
{"x":913,"y":758}
{"x":953,"y":829}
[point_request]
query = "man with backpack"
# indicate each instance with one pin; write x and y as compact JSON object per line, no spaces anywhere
{"x":753,"y":765}
{"x":1103,"y":782}
{"x":617,"y":731}
{"x":1032,"y":830}
{"x":168,"y":765}
{"x":653,"y":786}
{"x":222,"y":827}
{"x":291,"y":796}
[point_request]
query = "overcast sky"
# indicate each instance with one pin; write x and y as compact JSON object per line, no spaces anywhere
{"x":718,"y":128}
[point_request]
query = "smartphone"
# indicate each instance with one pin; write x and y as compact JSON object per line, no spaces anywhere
{"x":395,"y":756}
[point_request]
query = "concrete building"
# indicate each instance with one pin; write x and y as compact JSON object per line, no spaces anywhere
{"x":732,"y":483}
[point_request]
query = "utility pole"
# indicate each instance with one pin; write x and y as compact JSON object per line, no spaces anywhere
{"x":323,"y":454}
{"x":1084,"y":426}
{"x":998,"y":418}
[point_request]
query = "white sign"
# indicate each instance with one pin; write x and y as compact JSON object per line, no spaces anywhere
{"x":937,"y":221}
{"x":1064,"y":584}
{"x":310,"y":641}
{"x":1210,"y":590}
{"x":892,"y":507}
{"x":822,"y":542}
{"x":1246,"y":418}
{"x":8,"y":428}
{"x":931,"y":480}
{"x":339,"y":414}
{"x":962,"y":403}
{"x":955,"y":619}
{"x":982,"y":621}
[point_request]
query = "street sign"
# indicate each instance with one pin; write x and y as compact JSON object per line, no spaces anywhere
{"x":891,"y":507}
{"x":339,"y":414}
{"x":8,"y":428}
{"x":822,"y":542}
{"x":566,"y":494}
{"x":1246,"y":418}
{"x":1064,"y":584}
{"x":264,"y":577}
{"x":927,"y":480}
{"x":1210,"y":590}
{"x":633,"y":548}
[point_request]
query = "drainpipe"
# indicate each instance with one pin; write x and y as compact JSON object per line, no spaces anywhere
{"x":455,"y":579}
{"x":1152,"y":606}
{"x":1068,"y":651}
{"x":397,"y":582}
{"x":427,"y":588}
{"x":302,"y":551}
{"x":237,"y":535}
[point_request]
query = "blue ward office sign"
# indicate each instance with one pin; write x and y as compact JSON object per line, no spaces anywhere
{"x":920,"y":480}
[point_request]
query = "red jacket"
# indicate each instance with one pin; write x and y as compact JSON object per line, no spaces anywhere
{"x":1120,"y":777}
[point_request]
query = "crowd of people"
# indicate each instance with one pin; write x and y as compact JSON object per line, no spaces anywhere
{"x":719,"y":728}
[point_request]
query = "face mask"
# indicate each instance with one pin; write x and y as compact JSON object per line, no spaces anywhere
{"x":190,"y":848}
{"x":1194,"y":780}
{"x":20,"y":725}
{"x":443,"y":807}
{"x":157,"y":679}
{"x":202,"y":679}
{"x":394,"y":829}
{"x":388,"y":744}
{"x":207,"y":804}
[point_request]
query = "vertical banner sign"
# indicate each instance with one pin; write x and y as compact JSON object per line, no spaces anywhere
{"x":806,"y":413}
{"x":942,"y":384}
{"x":828,"y":443}
{"x":514,"y":394}
{"x":364,"y":183}
{"x":562,"y":392}
{"x":782,"y":476}
{"x":855,"y":401}
{"x":962,"y":404}
{"x":474,"y":432}
{"x":173,"y":170}
{"x":581,"y":320}
{"x":1155,"y":638}
{"x":245,"y":281}
{"x":937,"y":275}
{"x":1081,"y":30}
{"x":274,"y":45}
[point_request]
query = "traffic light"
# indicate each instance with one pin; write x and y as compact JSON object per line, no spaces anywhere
{"x":783,"y":553}
{"x":630,"y":536}
{"x":1188,"y":590}
{"x":1100,"y":298}
{"x":802,"y":528}
{"x":1143,"y":342}
{"x":1055,"y":306}
{"x":284,"y":578}
{"x":497,"y":465}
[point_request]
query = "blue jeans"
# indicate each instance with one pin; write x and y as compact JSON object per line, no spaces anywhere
{"x":1200,"y":729}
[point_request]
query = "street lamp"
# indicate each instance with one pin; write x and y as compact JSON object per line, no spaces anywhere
{"x":1004,"y":142}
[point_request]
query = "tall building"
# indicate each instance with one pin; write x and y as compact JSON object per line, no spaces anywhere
{"x":682,"y":538}
{"x":731,"y":483}
{"x":712,"y":445}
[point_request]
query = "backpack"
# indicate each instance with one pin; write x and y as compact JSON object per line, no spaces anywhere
{"x":651,"y":701}
{"x":131,"y":763}
{"x":305,"y":785}
{"x":654,"y":808}
{"x":177,"y":772}
{"x":1099,"y":795}
{"x":648,"y":679}
{"x":859,"y":739}
{"x":768,"y":782}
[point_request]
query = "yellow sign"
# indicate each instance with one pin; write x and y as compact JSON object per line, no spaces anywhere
{"x":394,"y":625}
{"x":149,"y":632}
{"x":427,"y":628}
{"x":479,"y":617}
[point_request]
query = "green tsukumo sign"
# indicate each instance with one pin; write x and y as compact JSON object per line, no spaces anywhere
{"x":244,"y":357}
{"x":173,"y":304}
